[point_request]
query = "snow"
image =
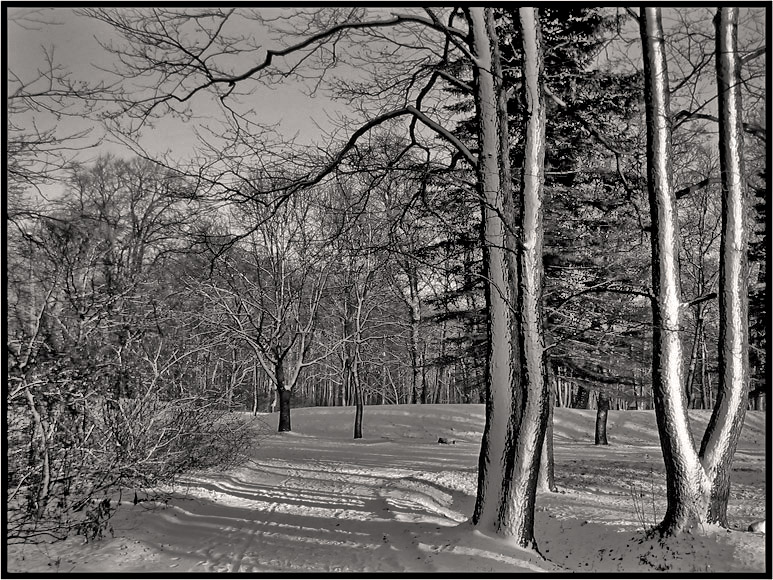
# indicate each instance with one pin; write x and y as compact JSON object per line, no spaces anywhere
{"x":315,"y":500}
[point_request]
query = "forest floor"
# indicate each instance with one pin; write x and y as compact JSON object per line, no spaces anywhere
{"x":315,"y":500}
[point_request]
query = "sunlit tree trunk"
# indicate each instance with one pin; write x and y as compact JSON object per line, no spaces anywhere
{"x":516,"y":405}
{"x":501,"y":377}
{"x":686,"y":483}
{"x":532,"y":405}
{"x":721,"y":437}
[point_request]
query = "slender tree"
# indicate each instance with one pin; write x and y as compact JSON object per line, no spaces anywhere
{"x":721,"y":438}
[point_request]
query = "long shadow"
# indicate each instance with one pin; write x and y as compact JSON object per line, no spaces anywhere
{"x":371,"y":523}
{"x":303,"y":534}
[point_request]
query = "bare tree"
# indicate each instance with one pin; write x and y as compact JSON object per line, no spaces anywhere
{"x":92,"y":376}
{"x":697,"y":483}
{"x":512,"y":443}
{"x":268,"y":291}
{"x":427,"y":43}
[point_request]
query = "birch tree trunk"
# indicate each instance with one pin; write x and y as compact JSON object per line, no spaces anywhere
{"x":721,"y":437}
{"x":686,"y":484}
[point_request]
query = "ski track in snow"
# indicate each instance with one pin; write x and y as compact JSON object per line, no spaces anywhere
{"x":316,"y":501}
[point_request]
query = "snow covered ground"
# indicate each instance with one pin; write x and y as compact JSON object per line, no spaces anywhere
{"x":315,"y":500}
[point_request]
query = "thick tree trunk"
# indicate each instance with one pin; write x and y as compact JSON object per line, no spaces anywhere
{"x":500,"y":375}
{"x":602,"y":411}
{"x":516,"y":406}
{"x":686,"y":484}
{"x":721,"y":437}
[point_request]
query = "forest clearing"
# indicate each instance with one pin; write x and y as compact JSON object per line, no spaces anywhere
{"x":314,"y":500}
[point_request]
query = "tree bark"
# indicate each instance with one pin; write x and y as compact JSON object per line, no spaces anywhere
{"x":283,"y":395}
{"x":255,"y":390}
{"x":602,"y":411}
{"x":414,"y":311}
{"x":516,"y":405}
{"x":500,"y":375}
{"x":721,"y":437}
{"x":582,"y":398}
{"x":531,"y":407}
{"x":359,"y":406}
{"x":547,"y":469}
{"x":694,"y":354}
{"x":686,"y":484}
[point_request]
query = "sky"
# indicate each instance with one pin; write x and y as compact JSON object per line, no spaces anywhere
{"x":73,"y":39}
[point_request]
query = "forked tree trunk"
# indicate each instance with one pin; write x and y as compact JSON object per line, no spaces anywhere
{"x":686,"y":484}
{"x":532,"y":405}
{"x":721,"y":437}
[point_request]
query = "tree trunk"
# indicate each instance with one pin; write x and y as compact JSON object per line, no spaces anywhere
{"x":582,"y":398}
{"x":516,"y":407}
{"x":721,"y":437}
{"x":686,"y":485}
{"x":358,"y":404}
{"x":357,"y":388}
{"x":501,"y":378}
{"x":602,"y":410}
{"x":41,"y":430}
{"x":532,"y":403}
{"x":547,"y":470}
{"x":414,"y":310}
{"x":283,"y":394}
{"x":694,"y":353}
{"x":255,"y":389}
